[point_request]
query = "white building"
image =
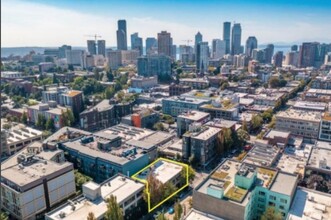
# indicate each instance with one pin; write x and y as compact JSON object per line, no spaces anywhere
{"x":76,"y":57}
{"x":128,"y":194}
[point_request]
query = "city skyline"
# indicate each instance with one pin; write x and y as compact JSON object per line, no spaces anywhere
{"x":303,"y":23}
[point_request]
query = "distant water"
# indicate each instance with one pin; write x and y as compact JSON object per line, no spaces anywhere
{"x":21,"y":51}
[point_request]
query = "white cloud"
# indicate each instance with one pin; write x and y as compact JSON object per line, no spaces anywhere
{"x":32,"y":24}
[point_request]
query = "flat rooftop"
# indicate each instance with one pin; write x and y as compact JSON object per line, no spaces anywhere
{"x":294,"y":159}
{"x":224,"y":178}
{"x":194,"y":115}
{"x":20,"y":133}
{"x":197,"y":215}
{"x":119,"y":186}
{"x":38,"y":169}
{"x":101,"y":106}
{"x":315,"y":106}
{"x":127,"y":132}
{"x":65,"y":134}
{"x":274,"y":133}
{"x":310,"y":204}
{"x":186,"y":100}
{"x":300,"y":115}
{"x":284,"y":183}
{"x":154,"y":140}
{"x":163,"y":171}
{"x":221,"y":123}
{"x":207,"y":133}
{"x":262,"y":154}
{"x":320,"y":157}
{"x":114,"y":155}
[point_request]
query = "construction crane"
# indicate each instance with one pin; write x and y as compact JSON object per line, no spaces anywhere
{"x":95,"y":36}
{"x":187,"y":42}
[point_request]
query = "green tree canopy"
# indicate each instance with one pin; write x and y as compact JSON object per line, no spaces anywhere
{"x":114,"y":211}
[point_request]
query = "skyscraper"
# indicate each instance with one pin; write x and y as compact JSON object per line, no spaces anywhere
{"x":62,"y":50}
{"x":236,"y":39}
{"x":294,"y":48}
{"x":198,"y":39}
{"x":91,"y":47}
{"x":278,"y":59}
{"x":151,"y":45}
{"x":218,"y":48}
{"x":174,"y":52}
{"x":121,"y":35}
{"x":251,"y":44}
{"x":102,"y":47}
{"x":202,"y":57}
{"x":164,"y":41}
{"x":268,"y":53}
{"x":152,"y":65}
{"x":137,"y":43}
{"x":308,"y":52}
{"x":226,"y":36}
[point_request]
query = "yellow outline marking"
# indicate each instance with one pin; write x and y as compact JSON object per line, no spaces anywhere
{"x":146,"y":183}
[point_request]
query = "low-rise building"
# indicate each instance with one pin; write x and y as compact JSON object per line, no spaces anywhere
{"x":225,"y":109}
{"x":102,"y":155}
{"x":310,"y":204}
{"x":310,"y":106}
{"x":279,"y":138}
{"x":175,"y":106}
{"x":144,"y":83}
{"x":177,"y":90}
{"x":320,"y":159}
{"x":262,"y":154}
{"x":32,"y":182}
{"x":195,"y":83}
{"x":128,"y":193}
{"x":298,"y":122}
{"x":145,"y":118}
{"x":49,"y":110}
{"x":17,"y":137}
{"x":98,"y":117}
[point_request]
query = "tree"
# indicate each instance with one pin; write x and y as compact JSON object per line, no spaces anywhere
{"x":114,"y":211}
{"x":243,"y":136}
{"x":244,"y":125}
{"x":3,"y":216}
{"x":191,"y":173}
{"x":109,"y":92}
{"x":80,"y":179}
{"x":274,"y":82}
{"x":159,"y":126}
{"x":178,"y":211}
{"x":271,"y":214}
{"x":228,"y":141}
{"x":267,"y":114}
{"x":41,"y":121}
{"x":50,"y":124}
{"x":68,"y":117}
{"x":156,"y":190}
{"x":225,"y":86}
{"x":24,"y":118}
{"x":161,"y":216}
{"x":91,"y":216}
{"x":256,"y":122}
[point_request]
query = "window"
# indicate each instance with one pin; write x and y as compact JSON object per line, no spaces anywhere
{"x":283,"y":201}
{"x":272,"y":198}
{"x":281,"y":207}
{"x":261,"y":193}
{"x":271,"y":204}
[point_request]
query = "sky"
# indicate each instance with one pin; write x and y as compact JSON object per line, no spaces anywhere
{"x":52,"y":23}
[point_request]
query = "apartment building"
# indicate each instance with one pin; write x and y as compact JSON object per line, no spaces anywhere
{"x":195,"y":83}
{"x":201,"y":142}
{"x":32,"y":182}
{"x":224,"y":109}
{"x":186,"y":119}
{"x":239,"y":191}
{"x":175,"y":106}
{"x":17,"y":137}
{"x":298,"y":122}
